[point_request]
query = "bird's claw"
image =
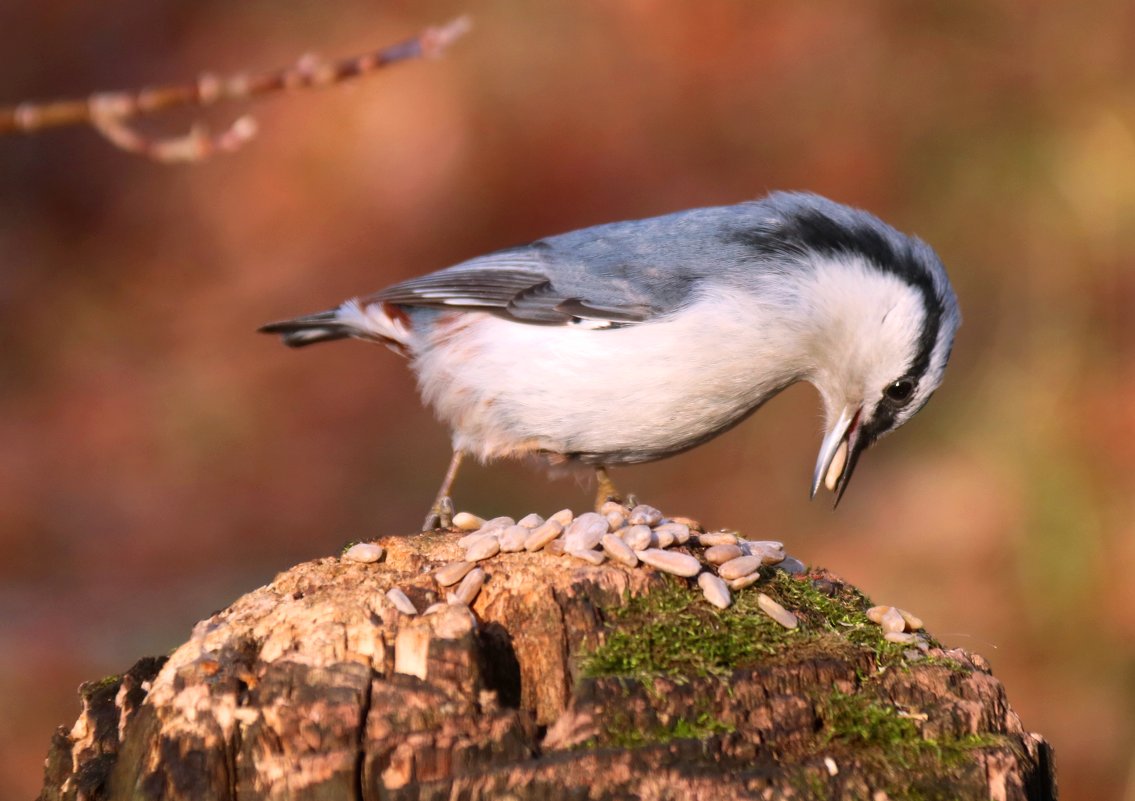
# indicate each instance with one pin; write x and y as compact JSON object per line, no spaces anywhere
{"x":440,"y":516}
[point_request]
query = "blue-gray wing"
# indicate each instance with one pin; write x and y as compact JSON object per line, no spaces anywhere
{"x":530,"y":284}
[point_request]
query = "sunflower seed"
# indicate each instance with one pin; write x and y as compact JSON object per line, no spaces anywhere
{"x":483,"y":549}
{"x":401,"y":601}
{"x":555,"y":547}
{"x":478,"y":535}
{"x":712,"y":538}
{"x":585,"y":532}
{"x":541,"y":536}
{"x":892,"y":622}
{"x":452,"y":573}
{"x":467,"y":521}
{"x":615,"y":520}
{"x":619,"y":550}
{"x":744,"y":581}
{"x":512,"y":538}
{"x":741,"y":566}
{"x":615,"y":513}
{"x":643,"y":515}
{"x":679,"y":531}
{"x":913,"y":623}
{"x":688,"y":522}
{"x":720,"y":554}
{"x":470,"y":586}
{"x":679,"y":564}
{"x":776,"y":611}
{"x":638,"y":537}
{"x":901,"y":638}
{"x":771,"y":553}
{"x":714,"y":590}
{"x":875,"y":613}
{"x":363,"y":552}
{"x":594,"y":557}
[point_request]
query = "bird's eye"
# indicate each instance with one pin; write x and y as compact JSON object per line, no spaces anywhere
{"x":900,"y":392}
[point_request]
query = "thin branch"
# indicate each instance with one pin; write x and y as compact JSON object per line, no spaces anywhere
{"x":108,"y":112}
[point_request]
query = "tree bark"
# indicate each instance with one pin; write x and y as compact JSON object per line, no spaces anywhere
{"x":316,"y":687}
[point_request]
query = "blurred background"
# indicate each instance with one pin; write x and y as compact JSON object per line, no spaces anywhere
{"x":158,"y":458}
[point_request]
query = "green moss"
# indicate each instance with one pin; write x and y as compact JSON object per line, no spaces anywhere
{"x":622,"y":733}
{"x":869,"y":726}
{"x":89,"y":688}
{"x":862,"y":721}
{"x":673,"y":631}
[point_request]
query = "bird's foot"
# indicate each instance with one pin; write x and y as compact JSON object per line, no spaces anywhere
{"x":607,"y":492}
{"x":630,"y":500}
{"x":440,"y":516}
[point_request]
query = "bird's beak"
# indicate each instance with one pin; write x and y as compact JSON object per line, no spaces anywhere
{"x":838,"y":454}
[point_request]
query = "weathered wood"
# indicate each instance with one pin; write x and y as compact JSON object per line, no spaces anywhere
{"x":316,"y":687}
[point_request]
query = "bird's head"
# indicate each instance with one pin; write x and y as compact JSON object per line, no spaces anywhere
{"x":881,"y":317}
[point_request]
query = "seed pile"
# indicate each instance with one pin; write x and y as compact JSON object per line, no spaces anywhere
{"x":722,"y":562}
{"x":899,"y":626}
{"x":630,"y":536}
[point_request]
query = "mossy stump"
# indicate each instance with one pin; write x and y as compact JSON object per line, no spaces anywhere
{"x":566,"y":681}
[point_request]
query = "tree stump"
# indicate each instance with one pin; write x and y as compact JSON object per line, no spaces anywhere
{"x":563,"y":680}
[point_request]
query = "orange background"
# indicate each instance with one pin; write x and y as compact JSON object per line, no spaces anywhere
{"x":158,"y":458}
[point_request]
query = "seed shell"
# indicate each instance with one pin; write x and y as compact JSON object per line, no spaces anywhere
{"x":483,"y":549}
{"x":638,"y":537}
{"x":711,"y":538}
{"x":541,"y":536}
{"x":618,"y":550}
{"x":593,"y":557}
{"x":715,"y":590}
{"x":720,"y":554}
{"x":401,"y":601}
{"x":741,"y":566}
{"x":452,"y":573}
{"x":467,"y":521}
{"x":679,"y":564}
{"x":470,"y":586}
{"x":512,"y":539}
{"x":365,"y":552}
{"x":585,"y":532}
{"x":777,"y":612}
{"x":645,"y":515}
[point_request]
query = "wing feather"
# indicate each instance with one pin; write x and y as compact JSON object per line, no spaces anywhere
{"x":517,"y":286}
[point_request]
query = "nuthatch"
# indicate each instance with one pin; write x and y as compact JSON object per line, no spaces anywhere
{"x":666,"y":332}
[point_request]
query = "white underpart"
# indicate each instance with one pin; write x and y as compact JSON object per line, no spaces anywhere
{"x":638,"y":391}
{"x":646,"y":390}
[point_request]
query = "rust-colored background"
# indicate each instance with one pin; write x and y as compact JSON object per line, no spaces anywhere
{"x":157,"y":457}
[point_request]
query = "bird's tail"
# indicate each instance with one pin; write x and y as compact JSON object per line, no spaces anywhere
{"x":377,"y":322}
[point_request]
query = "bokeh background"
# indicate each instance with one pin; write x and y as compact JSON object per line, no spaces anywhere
{"x":158,"y":458}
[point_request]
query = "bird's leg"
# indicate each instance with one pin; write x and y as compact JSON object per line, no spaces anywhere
{"x":606,"y":490}
{"x":441,"y":513}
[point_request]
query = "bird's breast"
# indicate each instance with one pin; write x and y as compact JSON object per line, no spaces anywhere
{"x":626,"y":395}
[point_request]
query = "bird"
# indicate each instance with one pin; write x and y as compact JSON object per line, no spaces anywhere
{"x":633,"y":341}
